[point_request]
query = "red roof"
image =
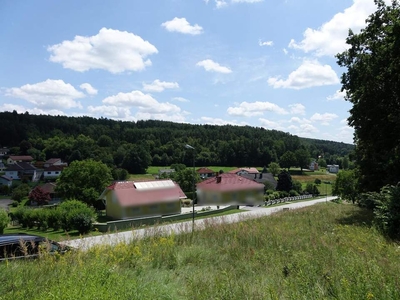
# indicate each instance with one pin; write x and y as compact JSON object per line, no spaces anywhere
{"x":229,"y":182}
{"x":130,"y":193}
{"x":48,"y":187}
{"x":54,"y":168}
{"x":204,"y":171}
{"x":21,"y":157}
{"x":52,"y":161}
{"x":248,"y":170}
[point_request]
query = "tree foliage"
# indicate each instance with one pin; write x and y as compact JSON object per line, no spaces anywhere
{"x":20,"y":192}
{"x":346,"y":185}
{"x":288,"y":159}
{"x":39,"y":196}
{"x":4,"y":220}
{"x":372,"y":85}
{"x":83,"y":180}
{"x":274,"y":168}
{"x":285,"y":182}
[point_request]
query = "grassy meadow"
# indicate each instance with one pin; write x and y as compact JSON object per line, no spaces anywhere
{"x":326,"y":251}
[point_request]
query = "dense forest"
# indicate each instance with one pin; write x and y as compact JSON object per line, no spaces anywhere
{"x":135,"y":145}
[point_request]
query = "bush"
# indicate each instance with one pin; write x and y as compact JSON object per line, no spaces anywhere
{"x":55,"y":219}
{"x":14,"y":203}
{"x":4,"y":220}
{"x":297,"y":186}
{"x":83,"y":222}
{"x":283,"y":194}
{"x":293,"y":193}
{"x":75,"y":215}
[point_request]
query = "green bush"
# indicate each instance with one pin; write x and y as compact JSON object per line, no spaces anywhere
{"x":83,"y":222}
{"x":75,"y":215}
{"x":14,"y":203}
{"x":4,"y":220}
{"x":54,"y":219}
{"x":293,"y":193}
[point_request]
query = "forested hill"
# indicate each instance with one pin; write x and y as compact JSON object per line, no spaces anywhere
{"x":156,"y":142}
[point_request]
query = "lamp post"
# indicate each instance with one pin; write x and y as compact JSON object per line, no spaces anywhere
{"x":187,"y":146}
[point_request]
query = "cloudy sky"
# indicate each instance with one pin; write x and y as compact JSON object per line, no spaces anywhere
{"x":264,"y":63}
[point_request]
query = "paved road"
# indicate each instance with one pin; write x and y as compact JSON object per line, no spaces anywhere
{"x":4,"y":203}
{"x":183,"y":227}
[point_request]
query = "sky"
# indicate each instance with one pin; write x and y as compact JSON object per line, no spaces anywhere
{"x":262,"y":63}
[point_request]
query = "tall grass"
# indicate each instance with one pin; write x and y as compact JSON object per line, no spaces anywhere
{"x":327,"y":251}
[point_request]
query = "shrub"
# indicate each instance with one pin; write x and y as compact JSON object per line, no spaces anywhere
{"x":283,"y":194}
{"x":4,"y":220}
{"x":14,"y":203}
{"x":293,"y":193}
{"x":82,"y":221}
{"x":75,"y":215}
{"x":297,"y":186}
{"x":55,"y":219}
{"x":317,"y":181}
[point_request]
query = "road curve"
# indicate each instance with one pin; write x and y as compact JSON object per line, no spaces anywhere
{"x":184,"y":227}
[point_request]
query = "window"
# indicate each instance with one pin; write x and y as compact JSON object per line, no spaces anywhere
{"x":48,"y":173}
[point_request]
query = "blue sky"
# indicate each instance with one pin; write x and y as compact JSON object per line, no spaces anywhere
{"x":261,"y":63}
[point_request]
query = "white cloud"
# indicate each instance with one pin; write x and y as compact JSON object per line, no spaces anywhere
{"x":324,"y":119}
{"x":220,"y":3}
{"x":271,"y":124}
{"x":285,"y":51}
{"x":49,"y":94}
{"x":182,"y":26}
{"x":180,"y":99}
{"x":35,"y":111}
{"x":220,"y":122}
{"x":144,"y":102}
{"x":249,"y":109}
{"x":330,"y":38}
{"x":311,"y":73}
{"x":159,"y":86}
{"x":111,"y":50}
{"x":297,"y":109}
{"x":177,"y":117}
{"x":338,"y":95}
{"x":212,"y":66}
{"x":111,"y":111}
{"x":298,"y":120}
{"x":304,"y":129}
{"x":88,"y":88}
{"x":266,"y":43}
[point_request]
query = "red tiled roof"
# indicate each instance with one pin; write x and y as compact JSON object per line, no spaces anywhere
{"x":52,"y":160}
{"x":204,"y":171}
{"x":249,"y":170}
{"x":54,"y":168}
{"x":49,"y":187}
{"x":129,"y":195}
{"x":21,"y":157}
{"x":229,"y":182}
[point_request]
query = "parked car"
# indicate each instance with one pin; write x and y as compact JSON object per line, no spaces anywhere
{"x":21,"y":245}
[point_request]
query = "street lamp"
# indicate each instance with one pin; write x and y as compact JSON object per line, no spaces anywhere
{"x":187,"y":146}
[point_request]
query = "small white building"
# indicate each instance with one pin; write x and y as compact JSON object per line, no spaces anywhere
{"x":332,"y":168}
{"x":313,"y":166}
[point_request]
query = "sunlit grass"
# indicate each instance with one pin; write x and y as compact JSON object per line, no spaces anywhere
{"x":326,"y":251}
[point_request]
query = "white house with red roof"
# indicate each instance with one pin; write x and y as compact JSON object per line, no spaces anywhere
{"x":131,"y":199}
{"x":230,"y":189}
{"x":241,"y":171}
{"x":205,"y":172}
{"x":12,"y":159}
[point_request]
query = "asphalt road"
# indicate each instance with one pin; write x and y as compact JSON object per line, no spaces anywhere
{"x":185,"y":227}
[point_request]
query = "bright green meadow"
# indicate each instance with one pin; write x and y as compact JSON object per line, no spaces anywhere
{"x":327,"y":251}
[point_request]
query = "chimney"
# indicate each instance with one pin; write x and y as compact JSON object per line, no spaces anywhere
{"x":219,"y":179}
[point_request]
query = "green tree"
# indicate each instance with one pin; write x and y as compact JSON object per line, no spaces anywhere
{"x":345,"y":185}
{"x":274,"y":168}
{"x":185,"y":179}
{"x":303,"y":158}
{"x":372,"y":85}
{"x":287,"y":160}
{"x":20,"y":192}
{"x":84,"y":180}
{"x":285,"y":182}
{"x":136,"y":160}
{"x":4,"y":220}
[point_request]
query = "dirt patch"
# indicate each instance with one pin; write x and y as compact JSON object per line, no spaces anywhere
{"x":307,"y":178}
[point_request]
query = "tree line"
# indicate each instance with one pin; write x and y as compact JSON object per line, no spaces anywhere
{"x":136,"y":145}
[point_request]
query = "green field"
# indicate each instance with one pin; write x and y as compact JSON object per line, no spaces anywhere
{"x":327,"y":251}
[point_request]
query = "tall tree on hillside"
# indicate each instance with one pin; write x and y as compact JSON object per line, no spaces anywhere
{"x":303,"y":158}
{"x":372,"y":85}
{"x":287,"y":160}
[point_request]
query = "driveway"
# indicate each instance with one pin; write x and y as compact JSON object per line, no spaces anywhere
{"x":5,"y":202}
{"x":185,"y":227}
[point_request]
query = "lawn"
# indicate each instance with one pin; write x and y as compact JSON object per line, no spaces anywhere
{"x":326,"y":251}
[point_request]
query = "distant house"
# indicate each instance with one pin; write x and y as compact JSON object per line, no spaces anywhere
{"x":12,"y":159}
{"x":230,"y":189}
{"x":18,"y":170}
{"x":4,"y":151}
{"x":50,"y":188}
{"x":130,"y":199}
{"x":2,"y":166}
{"x":313,"y":166}
{"x":4,"y":180}
{"x":165,"y":171}
{"x":52,"y":171}
{"x":262,"y":178}
{"x":205,"y":173}
{"x":241,"y":171}
{"x":54,"y":162}
{"x":332,"y":168}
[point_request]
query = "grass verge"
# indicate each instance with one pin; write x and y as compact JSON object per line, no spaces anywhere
{"x":327,"y":251}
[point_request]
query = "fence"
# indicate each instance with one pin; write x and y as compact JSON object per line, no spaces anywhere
{"x":287,"y":199}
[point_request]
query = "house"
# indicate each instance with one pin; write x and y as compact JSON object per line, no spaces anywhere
{"x":313,"y":166}
{"x":263,"y":178}
{"x":54,"y":162}
{"x":205,"y":173}
{"x":131,"y":199}
{"x":165,"y":172}
{"x":52,"y":171}
{"x":4,"y":151}
{"x":50,"y":188}
{"x":12,"y":159}
{"x":2,"y":167}
{"x":241,"y":171}
{"x":4,"y":180}
{"x":332,"y":168}
{"x":230,"y":189}
{"x":18,"y":170}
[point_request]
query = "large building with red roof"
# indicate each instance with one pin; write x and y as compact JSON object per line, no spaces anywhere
{"x":131,"y":199}
{"x":230,"y":189}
